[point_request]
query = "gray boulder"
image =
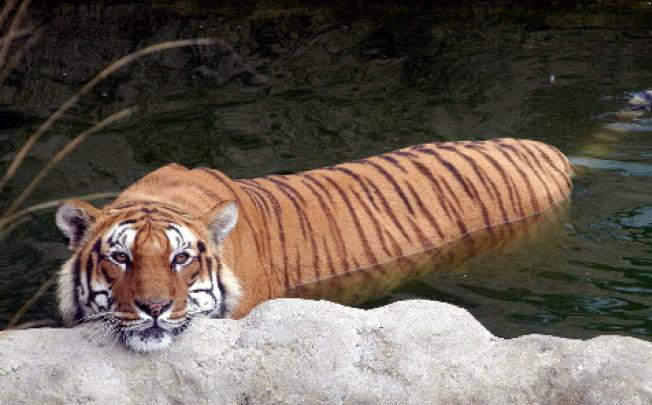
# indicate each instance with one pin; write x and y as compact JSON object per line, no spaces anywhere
{"x":295,"y":351}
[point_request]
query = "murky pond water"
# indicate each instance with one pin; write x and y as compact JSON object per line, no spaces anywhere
{"x":341,"y":82}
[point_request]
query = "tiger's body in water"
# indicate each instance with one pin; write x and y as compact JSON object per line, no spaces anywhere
{"x":181,"y":242}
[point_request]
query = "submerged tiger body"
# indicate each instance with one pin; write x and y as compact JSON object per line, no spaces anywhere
{"x":180,"y":242}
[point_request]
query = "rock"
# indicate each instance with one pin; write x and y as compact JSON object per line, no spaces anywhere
{"x":295,"y":351}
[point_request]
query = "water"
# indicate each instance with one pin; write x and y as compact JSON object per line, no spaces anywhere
{"x":340,"y":82}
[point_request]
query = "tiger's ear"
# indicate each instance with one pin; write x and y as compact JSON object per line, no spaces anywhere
{"x":221,"y":220}
{"x":74,"y":218}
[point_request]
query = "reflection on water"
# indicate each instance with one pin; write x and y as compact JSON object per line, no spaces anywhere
{"x":366,"y":285}
{"x":638,"y":218}
{"x":640,"y":126}
{"x":636,"y":169}
{"x":339,"y":81}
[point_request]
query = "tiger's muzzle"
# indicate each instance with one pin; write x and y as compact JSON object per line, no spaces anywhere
{"x":154,"y":326}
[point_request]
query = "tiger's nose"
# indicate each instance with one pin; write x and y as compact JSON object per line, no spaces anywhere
{"x":153,"y":308}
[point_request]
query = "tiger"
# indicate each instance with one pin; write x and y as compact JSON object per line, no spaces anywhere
{"x":181,"y":243}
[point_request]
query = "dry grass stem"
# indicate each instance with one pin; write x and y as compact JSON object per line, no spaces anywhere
{"x":63,"y":153}
{"x":9,"y":5}
{"x":106,"y":72}
{"x":30,"y":302}
{"x":18,"y":55}
{"x":16,"y":35}
{"x":11,"y":226}
{"x":13,"y":27}
{"x":35,"y":324}
{"x":6,"y":223}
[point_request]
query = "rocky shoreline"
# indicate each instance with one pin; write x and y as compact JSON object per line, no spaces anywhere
{"x":296,"y":351}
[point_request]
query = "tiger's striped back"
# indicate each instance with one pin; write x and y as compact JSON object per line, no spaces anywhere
{"x":363,"y":213}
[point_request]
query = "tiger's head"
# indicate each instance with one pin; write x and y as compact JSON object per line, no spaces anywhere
{"x":145,"y":269}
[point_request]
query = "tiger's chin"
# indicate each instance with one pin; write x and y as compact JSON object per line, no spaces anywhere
{"x":150,"y":339}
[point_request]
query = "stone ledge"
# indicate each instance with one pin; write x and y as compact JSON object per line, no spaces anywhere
{"x":295,"y":351}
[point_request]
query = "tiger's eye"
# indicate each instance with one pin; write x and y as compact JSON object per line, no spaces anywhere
{"x":119,"y":257}
{"x":180,"y":258}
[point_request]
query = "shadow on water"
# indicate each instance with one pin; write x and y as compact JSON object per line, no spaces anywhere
{"x":339,"y":81}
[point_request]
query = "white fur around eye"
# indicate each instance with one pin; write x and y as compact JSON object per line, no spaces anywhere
{"x":189,"y":259}
{"x":181,"y":240}
{"x":120,"y":239}
{"x":123,"y":266}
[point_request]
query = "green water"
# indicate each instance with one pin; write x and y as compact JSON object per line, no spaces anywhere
{"x":346,"y":81}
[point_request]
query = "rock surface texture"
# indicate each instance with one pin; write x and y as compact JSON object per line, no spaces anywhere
{"x":294,"y":351}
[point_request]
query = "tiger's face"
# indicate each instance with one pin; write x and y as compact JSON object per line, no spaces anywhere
{"x":145,"y":269}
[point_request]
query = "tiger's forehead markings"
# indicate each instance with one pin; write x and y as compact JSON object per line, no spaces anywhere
{"x":122,"y":236}
{"x":180,"y":237}
{"x":147,"y":206}
{"x":159,"y":219}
